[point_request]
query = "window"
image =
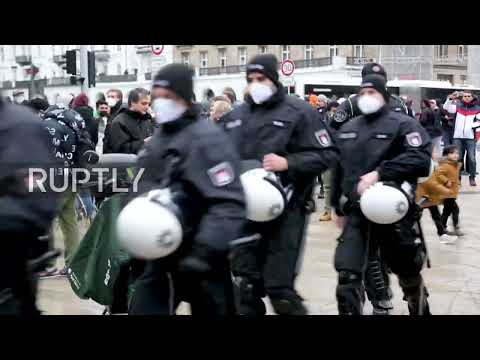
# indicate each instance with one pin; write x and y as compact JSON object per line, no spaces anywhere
{"x":242,"y":56}
{"x":358,"y":51}
{"x":463,"y":79}
{"x":119,"y":69}
{"x":285,"y":52}
{"x":460,"y":52}
{"x":445,"y":77}
{"x":203,"y":59}
{"x":105,"y":47}
{"x":262,"y":49}
{"x":222,"y":56}
{"x":308,"y":52}
{"x":186,"y":58}
{"x":333,"y":50}
{"x":119,"y":47}
{"x":105,"y":69}
{"x":442,"y":51}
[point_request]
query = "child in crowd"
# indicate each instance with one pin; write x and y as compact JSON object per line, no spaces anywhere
{"x":443,"y":186}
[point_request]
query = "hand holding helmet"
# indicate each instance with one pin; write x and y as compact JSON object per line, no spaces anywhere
{"x":384,"y":204}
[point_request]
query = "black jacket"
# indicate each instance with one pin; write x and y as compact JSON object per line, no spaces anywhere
{"x":431,"y":122}
{"x":24,"y":144}
{"x":64,"y":125}
{"x":392,"y":143}
{"x":349,"y":109}
{"x":128,"y":131}
{"x":206,"y":168}
{"x":288,"y":127}
{"x":91,"y":124}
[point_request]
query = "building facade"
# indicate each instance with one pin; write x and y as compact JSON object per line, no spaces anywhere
{"x":217,"y":66}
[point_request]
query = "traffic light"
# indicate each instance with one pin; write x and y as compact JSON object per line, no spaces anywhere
{"x":71,"y":62}
{"x":91,"y":69}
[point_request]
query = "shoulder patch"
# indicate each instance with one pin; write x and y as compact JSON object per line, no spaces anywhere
{"x":221,"y":174}
{"x":323,"y":138}
{"x":414,"y":139}
{"x":340,"y":116}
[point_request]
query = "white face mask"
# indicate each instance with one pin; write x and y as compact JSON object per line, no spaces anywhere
{"x":369,"y":104}
{"x":167,"y":110}
{"x":260,"y":92}
{"x":111,"y":101}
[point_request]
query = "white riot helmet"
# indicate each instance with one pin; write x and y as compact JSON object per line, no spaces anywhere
{"x":384,"y":204}
{"x":148,"y":227}
{"x":265,"y":197}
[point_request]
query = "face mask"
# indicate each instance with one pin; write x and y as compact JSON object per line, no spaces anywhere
{"x":103,"y":114}
{"x":260,"y":92}
{"x":111,"y":102}
{"x":369,"y":104}
{"x":167,"y":110}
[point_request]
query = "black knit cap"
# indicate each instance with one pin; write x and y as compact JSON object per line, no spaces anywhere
{"x":178,"y":78}
{"x":374,"y":68}
{"x":265,"y":64}
{"x":376,"y":82}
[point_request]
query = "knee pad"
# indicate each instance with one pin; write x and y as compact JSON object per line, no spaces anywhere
{"x":349,"y":293}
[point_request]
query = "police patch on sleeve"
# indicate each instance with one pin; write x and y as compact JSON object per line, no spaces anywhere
{"x":340,"y":116}
{"x":323,"y":138}
{"x":414,"y":139}
{"x":221,"y":174}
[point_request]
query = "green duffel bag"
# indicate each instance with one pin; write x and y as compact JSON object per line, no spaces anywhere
{"x":97,"y":262}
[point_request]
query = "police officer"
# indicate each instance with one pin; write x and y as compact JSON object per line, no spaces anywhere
{"x":380,"y":145}
{"x":25,"y":211}
{"x":349,"y":108}
{"x":377,"y":282}
{"x":196,"y":158}
{"x":286,"y":135}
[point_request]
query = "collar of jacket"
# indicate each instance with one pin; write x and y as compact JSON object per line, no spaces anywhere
{"x":137,"y":115}
{"x":383,"y":110}
{"x":188,"y":118}
{"x":276,"y":98}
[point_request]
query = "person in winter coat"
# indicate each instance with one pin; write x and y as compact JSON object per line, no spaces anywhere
{"x":428,"y":119}
{"x":430,"y":194}
{"x":132,"y":127}
{"x":80,"y":105}
{"x":448,"y":170}
{"x":467,"y":119}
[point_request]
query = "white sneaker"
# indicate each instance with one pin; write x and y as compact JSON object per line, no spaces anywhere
{"x":448,"y":239}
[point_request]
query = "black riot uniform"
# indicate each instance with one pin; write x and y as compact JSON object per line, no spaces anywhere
{"x":195,"y":158}
{"x":266,"y":261}
{"x":25,"y":216}
{"x":400,"y":150}
{"x":377,"y":282}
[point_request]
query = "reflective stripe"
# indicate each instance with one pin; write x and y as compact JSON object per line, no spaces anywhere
{"x":245,"y":239}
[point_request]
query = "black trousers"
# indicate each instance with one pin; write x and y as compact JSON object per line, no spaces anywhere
{"x":450,"y":207}
{"x":398,"y":248}
{"x":437,"y":219}
{"x":160,"y":290}
{"x":18,"y":285}
{"x":270,"y":263}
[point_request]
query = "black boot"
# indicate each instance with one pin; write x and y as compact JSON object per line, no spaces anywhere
{"x":416,"y":294}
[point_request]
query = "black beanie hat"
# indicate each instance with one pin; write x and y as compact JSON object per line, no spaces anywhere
{"x":374,"y":68}
{"x":265,"y":64}
{"x":376,"y":82}
{"x":178,"y":78}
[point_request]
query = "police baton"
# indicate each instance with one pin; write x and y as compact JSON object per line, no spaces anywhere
{"x":420,"y":231}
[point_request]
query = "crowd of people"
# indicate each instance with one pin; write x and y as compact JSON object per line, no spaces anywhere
{"x":347,"y":145}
